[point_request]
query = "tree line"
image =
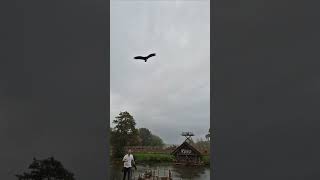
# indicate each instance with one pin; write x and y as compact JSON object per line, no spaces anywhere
{"x":125,"y":134}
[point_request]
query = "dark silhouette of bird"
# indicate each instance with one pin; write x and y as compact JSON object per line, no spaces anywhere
{"x":145,"y":58}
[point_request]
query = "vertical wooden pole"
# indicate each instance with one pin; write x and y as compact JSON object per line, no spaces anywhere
{"x":152,"y":175}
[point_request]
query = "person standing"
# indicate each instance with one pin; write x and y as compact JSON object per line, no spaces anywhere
{"x":128,"y":162}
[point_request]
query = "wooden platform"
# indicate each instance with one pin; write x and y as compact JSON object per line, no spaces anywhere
{"x":153,"y":175}
{"x":188,"y":164}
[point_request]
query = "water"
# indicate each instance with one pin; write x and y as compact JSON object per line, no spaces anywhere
{"x":178,"y":172}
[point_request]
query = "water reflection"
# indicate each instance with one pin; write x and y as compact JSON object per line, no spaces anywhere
{"x":191,"y":172}
{"x":183,"y":172}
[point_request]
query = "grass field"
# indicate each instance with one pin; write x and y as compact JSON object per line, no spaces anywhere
{"x":161,"y":158}
{"x":153,"y":157}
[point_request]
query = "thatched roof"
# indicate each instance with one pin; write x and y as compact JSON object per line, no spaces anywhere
{"x":186,"y":144}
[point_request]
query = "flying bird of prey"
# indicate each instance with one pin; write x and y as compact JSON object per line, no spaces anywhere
{"x":145,"y":58}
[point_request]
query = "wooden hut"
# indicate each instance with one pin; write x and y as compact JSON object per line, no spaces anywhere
{"x":187,"y":154}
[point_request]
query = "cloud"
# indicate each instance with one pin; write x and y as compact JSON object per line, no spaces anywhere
{"x":170,"y":93}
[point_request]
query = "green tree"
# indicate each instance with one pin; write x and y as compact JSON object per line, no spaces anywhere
{"x":202,"y":144}
{"x":46,"y":169}
{"x":145,"y":136}
{"x":156,"y":141}
{"x":124,"y":133}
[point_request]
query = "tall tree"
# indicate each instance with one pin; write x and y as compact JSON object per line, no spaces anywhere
{"x":124,"y":133}
{"x":156,"y":141}
{"x":145,"y":136}
{"x":46,"y":169}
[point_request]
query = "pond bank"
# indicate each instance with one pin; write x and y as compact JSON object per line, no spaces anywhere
{"x":183,"y":172}
{"x":158,"y":158}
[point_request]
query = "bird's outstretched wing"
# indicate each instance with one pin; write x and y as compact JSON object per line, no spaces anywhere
{"x":140,"y":57}
{"x":151,"y":55}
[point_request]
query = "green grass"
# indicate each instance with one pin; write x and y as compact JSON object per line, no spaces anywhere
{"x":153,"y":157}
{"x":160,"y":157}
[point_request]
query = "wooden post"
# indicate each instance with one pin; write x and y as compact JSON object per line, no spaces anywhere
{"x":152,"y":175}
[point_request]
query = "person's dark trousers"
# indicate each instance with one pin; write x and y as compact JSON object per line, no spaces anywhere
{"x":127,"y":172}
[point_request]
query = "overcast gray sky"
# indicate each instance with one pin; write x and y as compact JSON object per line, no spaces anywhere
{"x":171,"y":92}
